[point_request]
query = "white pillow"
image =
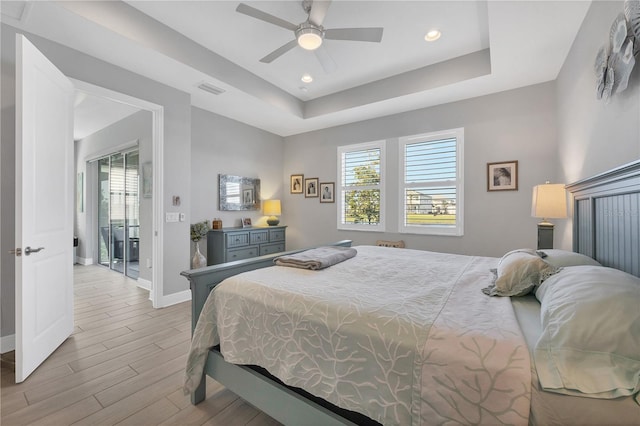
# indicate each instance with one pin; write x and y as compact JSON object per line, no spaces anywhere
{"x":561,"y":258}
{"x":590,"y":344}
{"x":518,"y":273}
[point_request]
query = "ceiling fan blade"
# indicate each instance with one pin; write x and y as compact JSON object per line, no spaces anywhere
{"x":318,"y":11}
{"x":279,"y":52}
{"x":327,"y":62}
{"x":264,"y":16}
{"x":355,"y":34}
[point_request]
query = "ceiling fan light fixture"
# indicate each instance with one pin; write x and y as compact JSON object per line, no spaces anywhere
{"x":309,"y":36}
{"x":432,"y":35}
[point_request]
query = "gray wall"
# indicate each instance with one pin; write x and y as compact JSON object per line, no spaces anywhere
{"x":177,"y":155}
{"x":514,"y":125}
{"x":135,"y":127}
{"x":593,"y":136}
{"x":220,"y":145}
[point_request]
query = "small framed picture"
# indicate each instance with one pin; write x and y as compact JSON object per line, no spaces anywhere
{"x":296,"y":184}
{"x":327,"y":191}
{"x":147,"y":180}
{"x":502,"y":176}
{"x":247,"y":196}
{"x":311,"y":187}
{"x":246,"y":222}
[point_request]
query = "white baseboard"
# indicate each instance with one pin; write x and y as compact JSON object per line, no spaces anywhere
{"x":175,"y":298}
{"x":84,"y":260}
{"x":7,"y":343}
{"x":144,"y":284}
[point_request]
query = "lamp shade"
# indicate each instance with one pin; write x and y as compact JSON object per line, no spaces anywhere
{"x":549,"y":201}
{"x":272,"y":208}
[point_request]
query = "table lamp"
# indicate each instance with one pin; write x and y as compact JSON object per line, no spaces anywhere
{"x":549,"y":202}
{"x":272,"y":209}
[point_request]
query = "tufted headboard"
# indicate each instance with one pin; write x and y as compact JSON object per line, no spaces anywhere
{"x":606,"y":217}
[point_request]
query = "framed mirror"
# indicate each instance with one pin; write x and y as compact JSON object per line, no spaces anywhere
{"x":238,"y":193}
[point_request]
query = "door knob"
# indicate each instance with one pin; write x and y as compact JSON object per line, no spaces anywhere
{"x":28,"y":250}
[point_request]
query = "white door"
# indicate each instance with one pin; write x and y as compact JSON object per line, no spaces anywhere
{"x":44,"y":208}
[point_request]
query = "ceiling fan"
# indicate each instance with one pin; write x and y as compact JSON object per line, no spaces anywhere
{"x":310,"y":34}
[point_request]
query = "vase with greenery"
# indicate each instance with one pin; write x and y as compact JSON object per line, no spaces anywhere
{"x":199,"y":231}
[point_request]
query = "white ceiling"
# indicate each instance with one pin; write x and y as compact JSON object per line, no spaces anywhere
{"x":486,"y":47}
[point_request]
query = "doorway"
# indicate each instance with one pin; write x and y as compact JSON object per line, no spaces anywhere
{"x":119,"y":212}
{"x":154,"y":264}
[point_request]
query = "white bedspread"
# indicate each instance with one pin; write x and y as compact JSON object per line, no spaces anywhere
{"x":405,"y":337}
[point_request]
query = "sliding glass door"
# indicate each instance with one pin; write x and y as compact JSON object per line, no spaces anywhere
{"x":119,"y":212}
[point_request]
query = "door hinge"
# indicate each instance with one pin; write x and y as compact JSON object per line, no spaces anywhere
{"x":17,"y":252}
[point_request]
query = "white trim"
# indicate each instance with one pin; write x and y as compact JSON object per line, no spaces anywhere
{"x":157,"y":112}
{"x":84,"y":261}
{"x":157,"y":255}
{"x":122,"y":148}
{"x":174,"y":298}
{"x":144,"y":284}
{"x":7,"y":343}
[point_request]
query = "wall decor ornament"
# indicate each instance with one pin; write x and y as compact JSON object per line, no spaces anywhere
{"x":615,"y":60}
{"x":632,"y":13}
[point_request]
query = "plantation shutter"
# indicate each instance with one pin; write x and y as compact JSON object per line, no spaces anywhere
{"x":360,"y":182}
{"x":431,"y":184}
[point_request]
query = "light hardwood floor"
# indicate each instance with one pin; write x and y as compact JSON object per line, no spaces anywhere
{"x":123,"y":365}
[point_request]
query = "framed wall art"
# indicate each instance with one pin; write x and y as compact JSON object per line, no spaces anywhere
{"x":327,"y":192}
{"x":502,"y":176}
{"x":296,"y":184}
{"x":147,"y":180}
{"x":311,"y":187}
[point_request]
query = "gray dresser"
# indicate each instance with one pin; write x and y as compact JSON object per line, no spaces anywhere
{"x":229,"y":244}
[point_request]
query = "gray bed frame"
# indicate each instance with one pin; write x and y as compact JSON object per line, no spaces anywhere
{"x":606,"y":227}
{"x":264,"y":393}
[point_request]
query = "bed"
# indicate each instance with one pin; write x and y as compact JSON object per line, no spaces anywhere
{"x":456,"y":356}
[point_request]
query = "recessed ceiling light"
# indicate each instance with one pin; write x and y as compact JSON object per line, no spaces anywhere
{"x":432,"y":35}
{"x":307,"y":78}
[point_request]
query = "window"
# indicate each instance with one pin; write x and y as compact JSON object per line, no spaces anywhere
{"x":361,"y":183}
{"x":431,"y":184}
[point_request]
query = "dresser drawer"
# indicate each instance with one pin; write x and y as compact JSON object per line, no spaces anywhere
{"x":231,"y":244}
{"x":271,"y":248}
{"x":276,"y":235}
{"x":244,"y":253}
{"x":237,"y":239}
{"x":258,"y":237}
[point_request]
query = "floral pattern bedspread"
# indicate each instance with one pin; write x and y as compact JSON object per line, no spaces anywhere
{"x":405,"y":337}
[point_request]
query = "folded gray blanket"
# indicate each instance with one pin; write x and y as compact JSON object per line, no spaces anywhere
{"x":317,"y":258}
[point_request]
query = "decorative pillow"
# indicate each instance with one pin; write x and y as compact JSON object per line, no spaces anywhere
{"x":590,"y":343}
{"x":561,"y":258}
{"x":518,"y":273}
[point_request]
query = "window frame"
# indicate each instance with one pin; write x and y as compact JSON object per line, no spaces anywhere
{"x":445,"y":230}
{"x":341,"y":188}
